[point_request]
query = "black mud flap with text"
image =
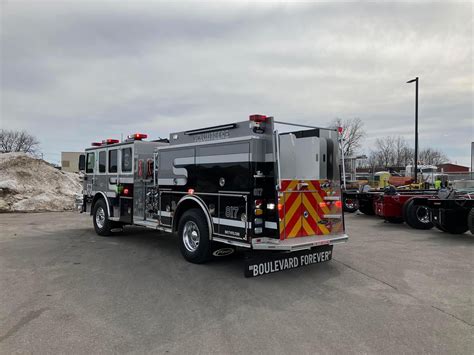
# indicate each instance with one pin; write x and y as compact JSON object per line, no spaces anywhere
{"x":267,"y":264}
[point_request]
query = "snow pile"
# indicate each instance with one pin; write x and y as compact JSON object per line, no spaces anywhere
{"x":30,"y":185}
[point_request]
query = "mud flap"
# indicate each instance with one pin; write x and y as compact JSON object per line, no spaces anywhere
{"x":267,"y":263}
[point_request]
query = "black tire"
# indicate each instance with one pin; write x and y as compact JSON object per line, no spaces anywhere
{"x":192,"y":228}
{"x":417,"y":216}
{"x":470,"y":220}
{"x":367,"y":209}
{"x":100,"y":216}
{"x":455,"y":228}
{"x":395,"y":220}
{"x":350,"y":205}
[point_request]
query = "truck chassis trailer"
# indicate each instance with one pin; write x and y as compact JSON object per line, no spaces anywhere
{"x":243,"y":184}
{"x":454,"y":216}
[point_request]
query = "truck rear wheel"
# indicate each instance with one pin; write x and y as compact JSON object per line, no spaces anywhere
{"x":454,"y":228}
{"x":102,"y":224}
{"x":470,"y":220}
{"x":350,"y":204}
{"x":193,"y":234}
{"x":417,"y":216}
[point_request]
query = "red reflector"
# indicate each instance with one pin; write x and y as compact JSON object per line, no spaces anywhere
{"x":258,"y":118}
{"x":96,"y":144}
{"x":125,"y":191}
{"x":110,"y":141}
{"x":190,"y":191}
{"x":338,"y":204}
{"x":339,"y":129}
{"x":138,"y":136}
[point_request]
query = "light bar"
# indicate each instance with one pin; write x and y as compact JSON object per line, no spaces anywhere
{"x":258,"y":118}
{"x":110,"y":141}
{"x":138,"y":136}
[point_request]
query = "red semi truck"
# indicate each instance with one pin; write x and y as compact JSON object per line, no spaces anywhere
{"x":398,"y":206}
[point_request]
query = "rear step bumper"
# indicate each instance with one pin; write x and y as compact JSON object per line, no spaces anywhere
{"x":295,"y":244}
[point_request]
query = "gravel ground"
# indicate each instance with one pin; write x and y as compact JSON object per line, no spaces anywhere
{"x":391,"y":289}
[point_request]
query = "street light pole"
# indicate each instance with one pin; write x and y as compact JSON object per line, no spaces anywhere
{"x":416,"y":126}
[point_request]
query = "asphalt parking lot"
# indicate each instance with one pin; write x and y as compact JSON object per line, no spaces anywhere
{"x":391,"y":289}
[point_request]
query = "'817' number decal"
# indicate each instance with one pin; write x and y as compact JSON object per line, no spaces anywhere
{"x":231,"y":212}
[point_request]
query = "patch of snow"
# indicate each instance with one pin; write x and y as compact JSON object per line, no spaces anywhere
{"x":30,"y":184}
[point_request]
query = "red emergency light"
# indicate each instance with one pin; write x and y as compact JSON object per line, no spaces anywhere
{"x":137,"y":136}
{"x":110,"y":141}
{"x":339,"y":129}
{"x":96,"y":144}
{"x":258,"y":118}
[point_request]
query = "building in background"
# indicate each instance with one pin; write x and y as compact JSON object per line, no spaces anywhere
{"x":70,"y":161}
{"x":452,"y":168}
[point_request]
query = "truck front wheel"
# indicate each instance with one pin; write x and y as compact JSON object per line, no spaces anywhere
{"x":102,"y":223}
{"x":193,"y":233}
{"x":417,"y":216}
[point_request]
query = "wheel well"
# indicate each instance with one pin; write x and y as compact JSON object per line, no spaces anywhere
{"x":96,"y":198}
{"x":186,"y":205}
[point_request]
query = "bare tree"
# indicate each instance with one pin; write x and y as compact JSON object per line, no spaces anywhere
{"x":430,"y":156}
{"x":384,"y":154}
{"x":352,"y":132}
{"x":394,"y":151}
{"x":18,"y":141}
{"x":404,"y":155}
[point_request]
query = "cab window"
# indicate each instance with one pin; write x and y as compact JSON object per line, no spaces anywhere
{"x":113,"y":161}
{"x":127,"y":160}
{"x":90,"y":163}
{"x":102,"y":158}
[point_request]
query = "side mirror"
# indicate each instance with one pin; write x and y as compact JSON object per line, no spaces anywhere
{"x":82,"y":162}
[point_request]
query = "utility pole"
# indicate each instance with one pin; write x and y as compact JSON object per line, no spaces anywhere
{"x":416,"y":127}
{"x":341,"y":138}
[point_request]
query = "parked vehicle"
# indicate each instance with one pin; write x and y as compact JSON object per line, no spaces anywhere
{"x":397,"y":206}
{"x":243,"y":184}
{"x":453,"y":213}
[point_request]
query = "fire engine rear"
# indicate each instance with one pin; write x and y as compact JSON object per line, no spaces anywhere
{"x":243,"y":184}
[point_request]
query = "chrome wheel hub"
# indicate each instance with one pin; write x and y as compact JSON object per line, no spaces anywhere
{"x":191,"y":236}
{"x":100,"y":217}
{"x":422,"y":214}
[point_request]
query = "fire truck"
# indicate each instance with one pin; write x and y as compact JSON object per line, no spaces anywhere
{"x":243,"y":184}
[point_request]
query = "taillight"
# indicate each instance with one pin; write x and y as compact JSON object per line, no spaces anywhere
{"x":126,"y":191}
{"x":258,"y":221}
{"x":338,"y":204}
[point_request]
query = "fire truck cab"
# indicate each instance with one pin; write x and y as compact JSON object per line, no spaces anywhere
{"x":243,"y":184}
